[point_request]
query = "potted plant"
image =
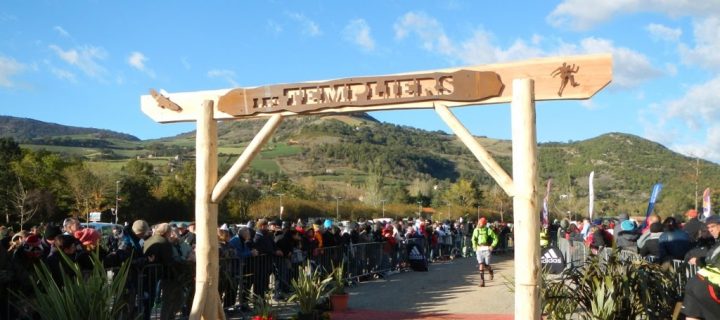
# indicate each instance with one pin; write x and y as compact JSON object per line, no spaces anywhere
{"x":309,"y":288}
{"x":338,"y":296}
{"x":262,"y":308}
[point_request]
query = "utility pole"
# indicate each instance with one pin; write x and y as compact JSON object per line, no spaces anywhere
{"x":337,"y":208}
{"x":117,"y":199}
{"x":419,"y":208}
{"x":383,"y":206}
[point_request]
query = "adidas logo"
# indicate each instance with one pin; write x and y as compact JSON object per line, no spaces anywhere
{"x":415,"y":254}
{"x":550,"y":257}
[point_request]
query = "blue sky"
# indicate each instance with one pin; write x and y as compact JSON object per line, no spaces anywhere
{"x":86,"y":63}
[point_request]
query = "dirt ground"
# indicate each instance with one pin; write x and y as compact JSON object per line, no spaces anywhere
{"x":448,"y":288}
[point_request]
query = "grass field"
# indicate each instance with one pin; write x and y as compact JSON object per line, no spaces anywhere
{"x":265,"y":165}
{"x":281,"y":150}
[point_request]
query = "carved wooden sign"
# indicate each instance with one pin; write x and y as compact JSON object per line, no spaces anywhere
{"x":462,"y":85}
{"x":474,"y":85}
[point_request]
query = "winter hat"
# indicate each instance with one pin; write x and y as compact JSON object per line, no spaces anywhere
{"x":140,"y":227}
{"x":224,"y":227}
{"x":328,"y":223}
{"x":33,"y":241}
{"x":692,"y":213}
{"x":51,"y":232}
{"x":482,"y":221}
{"x":712,"y":220}
{"x":627,"y":225}
{"x":87,"y":236}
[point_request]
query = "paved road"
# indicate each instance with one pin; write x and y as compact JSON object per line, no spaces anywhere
{"x":449,"y":290}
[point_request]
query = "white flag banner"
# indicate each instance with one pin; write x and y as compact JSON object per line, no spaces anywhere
{"x":591,"y":194}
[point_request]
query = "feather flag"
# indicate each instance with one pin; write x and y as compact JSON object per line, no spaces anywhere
{"x":545,"y":219}
{"x":707,"y":206}
{"x":651,"y":204}
{"x":591,"y":194}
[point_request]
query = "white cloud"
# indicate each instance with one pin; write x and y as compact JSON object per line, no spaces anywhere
{"x":358,"y":32}
{"x":309,"y":27}
{"x":707,"y":44}
{"x":660,"y":32}
{"x":582,"y":15}
{"x":678,"y":122}
{"x":61,"y":31}
{"x":86,"y":58}
{"x":700,"y":104}
{"x":630,"y":68}
{"x":429,"y":30}
{"x":9,"y":67}
{"x":63,"y":74}
{"x":228,"y":75}
{"x":274,"y":27}
{"x":671,"y":69}
{"x":137,"y":60}
{"x":481,"y":49}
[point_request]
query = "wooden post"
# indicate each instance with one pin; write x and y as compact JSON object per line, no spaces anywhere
{"x":486,"y":160}
{"x":526,"y":219}
{"x":207,"y":299}
{"x":248,"y":154}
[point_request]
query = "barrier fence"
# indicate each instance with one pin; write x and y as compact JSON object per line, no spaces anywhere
{"x":166,"y":292}
{"x":577,"y":252}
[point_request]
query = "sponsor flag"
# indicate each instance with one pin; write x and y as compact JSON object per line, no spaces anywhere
{"x":707,"y":206}
{"x":651,"y":204}
{"x":591,"y":194}
{"x":545,"y":219}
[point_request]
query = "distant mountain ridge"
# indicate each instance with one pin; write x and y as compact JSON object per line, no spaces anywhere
{"x":26,"y":130}
{"x":341,"y":152}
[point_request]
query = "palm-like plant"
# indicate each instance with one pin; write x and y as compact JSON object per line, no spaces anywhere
{"x":93,"y":295}
{"x":610,"y":289}
{"x":338,"y":278}
{"x":309,"y":288}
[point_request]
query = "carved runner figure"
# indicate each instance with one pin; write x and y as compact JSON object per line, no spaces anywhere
{"x":566,"y":74}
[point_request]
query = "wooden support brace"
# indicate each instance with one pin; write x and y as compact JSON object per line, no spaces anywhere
{"x":222,"y":187}
{"x":486,"y":160}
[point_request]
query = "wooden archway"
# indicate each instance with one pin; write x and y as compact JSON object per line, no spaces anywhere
{"x":557,"y":78}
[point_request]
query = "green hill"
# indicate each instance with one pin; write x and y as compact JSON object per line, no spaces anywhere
{"x":342,"y":152}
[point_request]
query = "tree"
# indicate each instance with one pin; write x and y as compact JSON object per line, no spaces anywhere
{"x":26,"y":209}
{"x":87,"y":189}
{"x":41,"y":174}
{"x":179,"y":188}
{"x":462,"y":194}
{"x":139,"y":181}
{"x":9,"y":153}
{"x":374,"y":185}
{"x":239,"y":200}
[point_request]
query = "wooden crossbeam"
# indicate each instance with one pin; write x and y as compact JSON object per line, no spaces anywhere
{"x":556,"y":78}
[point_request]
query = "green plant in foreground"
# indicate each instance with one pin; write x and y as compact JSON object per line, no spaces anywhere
{"x":309,"y":288}
{"x":610,"y":289}
{"x":90,"y":295}
{"x":338,"y":278}
{"x":262,"y":308}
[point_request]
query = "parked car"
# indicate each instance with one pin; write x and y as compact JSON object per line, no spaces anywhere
{"x":105,"y":228}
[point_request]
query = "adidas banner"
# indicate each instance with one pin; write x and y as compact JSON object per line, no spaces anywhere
{"x":552,"y":260}
{"x":416,"y":255}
